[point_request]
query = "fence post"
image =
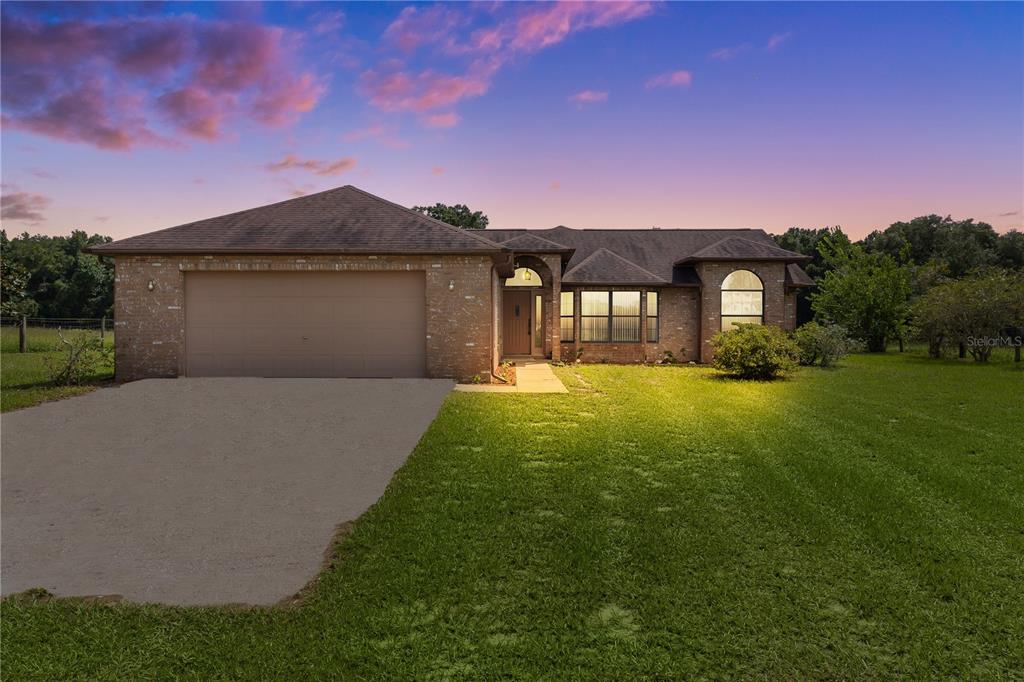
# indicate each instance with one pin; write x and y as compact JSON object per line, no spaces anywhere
{"x":962,"y":351}
{"x":23,"y":335}
{"x":103,"y":327}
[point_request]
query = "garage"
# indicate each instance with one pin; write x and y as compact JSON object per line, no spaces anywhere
{"x":305,"y":324}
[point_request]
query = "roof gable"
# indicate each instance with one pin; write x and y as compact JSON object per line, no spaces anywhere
{"x":605,"y":267}
{"x":534,"y":243}
{"x":738,"y":248}
{"x":341,"y":220}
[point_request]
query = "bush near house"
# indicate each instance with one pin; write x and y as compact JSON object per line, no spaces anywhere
{"x":753,"y":351}
{"x":822,"y":344}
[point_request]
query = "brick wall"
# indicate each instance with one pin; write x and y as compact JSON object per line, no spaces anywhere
{"x":773,"y":276}
{"x":150,"y":336}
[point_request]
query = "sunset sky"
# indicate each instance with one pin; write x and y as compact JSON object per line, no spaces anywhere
{"x":125,"y":118}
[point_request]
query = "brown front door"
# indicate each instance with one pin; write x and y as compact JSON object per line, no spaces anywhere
{"x":516,"y":322}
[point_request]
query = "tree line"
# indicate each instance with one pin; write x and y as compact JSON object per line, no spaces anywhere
{"x":951,"y":283}
{"x":43,"y":276}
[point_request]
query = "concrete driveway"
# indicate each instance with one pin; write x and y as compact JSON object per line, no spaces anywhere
{"x":198,"y":491}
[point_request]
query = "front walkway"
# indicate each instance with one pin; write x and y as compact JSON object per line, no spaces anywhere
{"x":532,"y":376}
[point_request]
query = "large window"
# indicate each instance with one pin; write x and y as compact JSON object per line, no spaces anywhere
{"x":610,"y":316}
{"x":742,"y":299}
{"x":567,"y":314}
{"x":524,"y":277}
{"x":652,"y":317}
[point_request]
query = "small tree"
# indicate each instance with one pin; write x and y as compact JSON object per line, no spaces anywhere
{"x":458,"y":215}
{"x":754,"y":351}
{"x":867,"y":293}
{"x":80,"y":357}
{"x":822,"y":344}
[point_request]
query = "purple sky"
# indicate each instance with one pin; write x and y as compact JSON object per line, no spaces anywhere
{"x":124,"y":118}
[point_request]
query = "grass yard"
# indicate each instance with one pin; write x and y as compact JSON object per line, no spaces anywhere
{"x":23,"y":377}
{"x":658,"y":522}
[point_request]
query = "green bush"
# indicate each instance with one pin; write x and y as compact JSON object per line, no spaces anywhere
{"x":80,"y":355}
{"x":754,"y":351}
{"x":822,"y":344}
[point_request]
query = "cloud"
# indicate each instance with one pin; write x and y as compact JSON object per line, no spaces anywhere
{"x":446,"y":120}
{"x":42,"y":174}
{"x":1008,"y":214}
{"x":437,"y":170}
{"x":555,"y":186}
{"x":327,"y":22}
{"x":585,"y":97}
{"x":777,"y":39}
{"x":314,"y":166}
{"x":126,"y":81}
{"x":24,"y":207}
{"x":672,"y":79}
{"x":497,"y":35}
{"x":385,"y":134}
{"x":101,"y":218}
{"x":725,"y":54}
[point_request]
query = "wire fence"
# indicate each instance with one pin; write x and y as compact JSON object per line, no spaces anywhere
{"x":40,"y":334}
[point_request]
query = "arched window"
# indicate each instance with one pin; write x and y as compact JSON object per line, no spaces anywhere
{"x":524,"y":277}
{"x":742,"y":299}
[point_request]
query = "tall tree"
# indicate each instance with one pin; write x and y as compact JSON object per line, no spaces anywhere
{"x":865,"y":292}
{"x":1010,"y":250}
{"x":458,"y":215}
{"x":957,"y":246}
{"x":806,"y":241}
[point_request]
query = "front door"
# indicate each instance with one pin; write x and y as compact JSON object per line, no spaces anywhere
{"x":516,"y":321}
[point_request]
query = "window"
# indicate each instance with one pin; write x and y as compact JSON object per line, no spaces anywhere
{"x":524,"y":277}
{"x":610,"y":316}
{"x":567,"y":311}
{"x":742,"y":299}
{"x":652,"y":317}
{"x":538,"y":321}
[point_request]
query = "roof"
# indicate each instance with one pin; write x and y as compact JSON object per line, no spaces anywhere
{"x":665,"y":254}
{"x":605,"y":267}
{"x":534,"y":244}
{"x":740,"y":248}
{"x":341,"y":220}
{"x":796,"y":277}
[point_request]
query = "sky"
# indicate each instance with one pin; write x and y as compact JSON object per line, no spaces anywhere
{"x":122,"y":118}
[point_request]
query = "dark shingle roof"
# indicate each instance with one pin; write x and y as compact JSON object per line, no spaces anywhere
{"x":605,"y":267}
{"x":738,"y":248}
{"x":341,"y":220}
{"x":534,"y":244}
{"x":796,"y":277}
{"x":657,"y":252}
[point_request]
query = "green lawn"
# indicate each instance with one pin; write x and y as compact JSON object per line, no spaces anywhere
{"x":658,"y":522}
{"x":23,"y":376}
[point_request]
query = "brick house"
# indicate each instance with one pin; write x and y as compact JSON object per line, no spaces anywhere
{"x":345,"y":284}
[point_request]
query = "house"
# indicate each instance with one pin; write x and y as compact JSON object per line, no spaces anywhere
{"x":345,"y":284}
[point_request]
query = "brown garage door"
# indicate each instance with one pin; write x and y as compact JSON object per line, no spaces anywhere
{"x":276,"y":324}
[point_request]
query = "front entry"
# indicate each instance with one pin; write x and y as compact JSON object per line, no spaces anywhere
{"x":516,"y":322}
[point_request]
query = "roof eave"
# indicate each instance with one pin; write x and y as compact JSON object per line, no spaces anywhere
{"x":743,"y":259}
{"x":99,"y":251}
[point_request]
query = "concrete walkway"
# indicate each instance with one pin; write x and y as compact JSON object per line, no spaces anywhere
{"x":532,"y":376}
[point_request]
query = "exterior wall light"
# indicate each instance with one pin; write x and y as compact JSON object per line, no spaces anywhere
{"x":151,"y":285}
{"x":451,"y":285}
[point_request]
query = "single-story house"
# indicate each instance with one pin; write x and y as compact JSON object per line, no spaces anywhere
{"x":345,"y":284}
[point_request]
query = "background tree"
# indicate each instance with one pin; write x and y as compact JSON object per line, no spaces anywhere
{"x":62,"y":280}
{"x":1010,"y":250}
{"x":806,"y":241}
{"x":957,"y":246}
{"x":867,"y":293}
{"x":458,"y":215}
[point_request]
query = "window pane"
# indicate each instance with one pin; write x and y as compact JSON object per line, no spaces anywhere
{"x":567,"y":301}
{"x":652,"y":329}
{"x":594,"y":328}
{"x":731,"y":322}
{"x":652,"y":303}
{"x":741,"y":302}
{"x":742,"y":279}
{"x":538,"y":321}
{"x":625,"y":303}
{"x":567,"y":329}
{"x":594,"y":302}
{"x":626,"y":328}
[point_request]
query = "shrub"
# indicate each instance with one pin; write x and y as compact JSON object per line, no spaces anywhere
{"x":81,"y":356}
{"x":822,"y":344}
{"x":754,"y":351}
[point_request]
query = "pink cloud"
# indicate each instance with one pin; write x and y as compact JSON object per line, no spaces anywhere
{"x":328,"y":22}
{"x":122,"y":82}
{"x":385,"y":134}
{"x":437,"y":170}
{"x":555,"y":186}
{"x":672,"y":79}
{"x":584,"y":97}
{"x":777,"y":39}
{"x":526,"y":29}
{"x":314,"y":166}
{"x":445,"y":120}
{"x":24,"y":207}
{"x":725,"y":54}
